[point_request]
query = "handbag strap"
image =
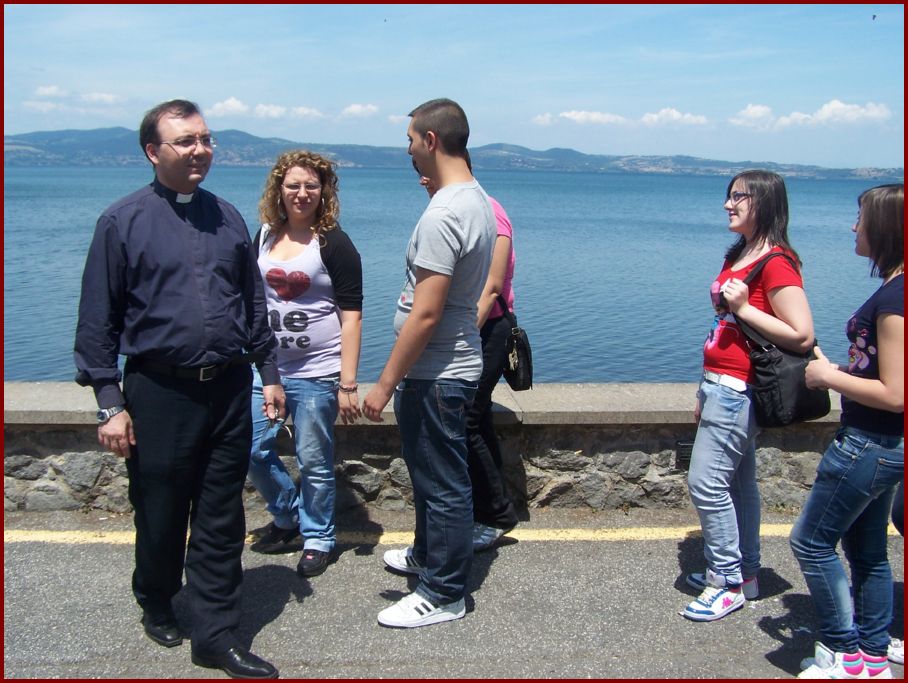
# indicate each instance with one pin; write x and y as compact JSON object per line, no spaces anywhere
{"x":506,"y":312}
{"x":754,"y":336}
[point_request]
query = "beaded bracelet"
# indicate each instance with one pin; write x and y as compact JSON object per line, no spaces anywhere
{"x":349,"y":389}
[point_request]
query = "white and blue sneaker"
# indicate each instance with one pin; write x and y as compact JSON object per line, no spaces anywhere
{"x":896,"y":651}
{"x":715,"y":601}
{"x":750,"y":587}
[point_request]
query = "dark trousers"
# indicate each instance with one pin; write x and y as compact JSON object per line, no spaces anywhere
{"x":188,"y":468}
{"x":431,"y":417}
{"x":491,"y":504}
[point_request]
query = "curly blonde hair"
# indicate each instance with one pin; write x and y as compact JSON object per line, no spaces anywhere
{"x":271,"y":205}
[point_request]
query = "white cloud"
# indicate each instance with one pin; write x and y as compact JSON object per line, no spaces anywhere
{"x":836,"y":111}
{"x":50,"y":91}
{"x":753,"y":116}
{"x":306,"y":113}
{"x":397,"y":119}
{"x":593,"y":117}
{"x":544,"y":119}
{"x":832,"y":113}
{"x":100,"y":98}
{"x":42,"y":107}
{"x":270,"y":111}
{"x":229,"y":106}
{"x":359,"y":111}
{"x":668,"y":115}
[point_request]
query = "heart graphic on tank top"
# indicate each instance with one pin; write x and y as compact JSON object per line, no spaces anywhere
{"x":288,"y":287}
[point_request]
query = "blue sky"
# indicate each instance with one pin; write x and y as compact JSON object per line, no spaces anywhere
{"x":807,"y":84}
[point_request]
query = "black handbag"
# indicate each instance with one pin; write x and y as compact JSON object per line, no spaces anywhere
{"x":780,"y":394}
{"x":518,"y":368}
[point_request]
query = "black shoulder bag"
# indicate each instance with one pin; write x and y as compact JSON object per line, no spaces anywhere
{"x":780,"y":394}
{"x":518,"y":369}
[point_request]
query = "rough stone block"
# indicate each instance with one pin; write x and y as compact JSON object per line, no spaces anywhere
{"x":24,"y":467}
{"x":79,"y":470}
{"x":50,"y":495}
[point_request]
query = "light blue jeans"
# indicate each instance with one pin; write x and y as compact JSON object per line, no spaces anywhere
{"x":850,"y":500}
{"x":723,"y":482}
{"x":312,"y":403}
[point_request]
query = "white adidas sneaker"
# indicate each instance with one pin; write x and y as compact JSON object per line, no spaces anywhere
{"x":402,"y":560}
{"x":414,"y":610}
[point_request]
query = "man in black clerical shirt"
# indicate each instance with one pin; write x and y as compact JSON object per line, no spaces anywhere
{"x":171,"y":283}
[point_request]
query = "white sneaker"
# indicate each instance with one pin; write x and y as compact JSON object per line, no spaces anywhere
{"x":414,"y":610}
{"x":750,"y":587}
{"x":714,"y":603}
{"x":829,"y":664}
{"x":484,"y":537}
{"x":896,"y":651}
{"x":402,"y":560}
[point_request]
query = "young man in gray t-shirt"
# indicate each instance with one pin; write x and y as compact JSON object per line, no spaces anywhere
{"x":434,"y":366}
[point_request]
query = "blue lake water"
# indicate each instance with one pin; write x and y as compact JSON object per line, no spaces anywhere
{"x":612,"y":277}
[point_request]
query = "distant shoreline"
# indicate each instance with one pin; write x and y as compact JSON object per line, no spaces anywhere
{"x":118,"y":147}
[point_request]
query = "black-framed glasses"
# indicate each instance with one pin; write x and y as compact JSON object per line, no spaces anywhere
{"x":736,"y":197}
{"x":188,"y":143}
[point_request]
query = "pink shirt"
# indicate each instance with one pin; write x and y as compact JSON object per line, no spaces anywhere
{"x":504,"y":228}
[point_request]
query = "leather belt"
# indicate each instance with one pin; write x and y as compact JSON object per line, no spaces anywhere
{"x":725,"y":381}
{"x":201,"y":373}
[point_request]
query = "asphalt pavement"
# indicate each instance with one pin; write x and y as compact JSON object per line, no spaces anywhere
{"x":568,"y":594}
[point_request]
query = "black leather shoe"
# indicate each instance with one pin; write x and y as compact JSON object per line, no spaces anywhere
{"x":236,"y":663}
{"x":162,"y":628}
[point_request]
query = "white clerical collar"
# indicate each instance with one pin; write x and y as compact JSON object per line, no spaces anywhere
{"x":184,"y":198}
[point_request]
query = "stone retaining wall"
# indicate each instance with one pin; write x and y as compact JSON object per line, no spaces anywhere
{"x":602,"y":446}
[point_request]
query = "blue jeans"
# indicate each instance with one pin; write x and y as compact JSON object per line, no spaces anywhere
{"x":431,"y":415}
{"x":312,"y":403}
{"x":723,"y":482}
{"x":850,"y":500}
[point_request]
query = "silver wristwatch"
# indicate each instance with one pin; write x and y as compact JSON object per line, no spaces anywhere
{"x":106,"y":413}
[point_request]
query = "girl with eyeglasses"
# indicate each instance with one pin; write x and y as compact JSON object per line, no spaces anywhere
{"x":723,"y":471}
{"x":313,"y":282}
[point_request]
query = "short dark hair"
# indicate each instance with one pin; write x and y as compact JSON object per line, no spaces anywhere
{"x":148,"y":130}
{"x":883,"y":221}
{"x":447,"y":120}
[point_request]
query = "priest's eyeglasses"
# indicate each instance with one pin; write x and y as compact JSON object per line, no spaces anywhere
{"x":188,"y":144}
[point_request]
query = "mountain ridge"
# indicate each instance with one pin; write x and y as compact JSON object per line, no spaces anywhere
{"x":118,"y":146}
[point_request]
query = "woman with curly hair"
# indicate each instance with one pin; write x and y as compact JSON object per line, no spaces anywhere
{"x":312,"y":275}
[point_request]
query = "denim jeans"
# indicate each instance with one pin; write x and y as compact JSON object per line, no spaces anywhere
{"x":312,"y":403}
{"x":431,"y":415}
{"x":723,"y":482}
{"x":491,"y":504}
{"x":850,"y":500}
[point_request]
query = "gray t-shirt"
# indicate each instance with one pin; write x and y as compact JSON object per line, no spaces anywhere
{"x":454,"y":236}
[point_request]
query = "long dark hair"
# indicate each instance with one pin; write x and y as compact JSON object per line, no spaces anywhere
{"x":770,"y":202}
{"x":883,"y":221}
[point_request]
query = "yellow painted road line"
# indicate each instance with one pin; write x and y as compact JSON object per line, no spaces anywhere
{"x":406,"y":537}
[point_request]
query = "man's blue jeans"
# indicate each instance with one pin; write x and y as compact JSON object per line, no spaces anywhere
{"x":312,"y":403}
{"x":850,"y":500}
{"x":431,"y":415}
{"x":723,"y":482}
